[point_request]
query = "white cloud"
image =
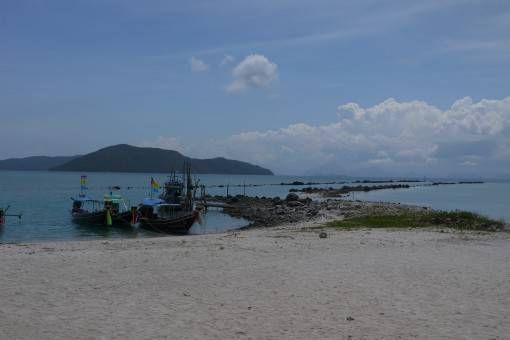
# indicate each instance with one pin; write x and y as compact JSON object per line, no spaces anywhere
{"x":197,"y":65}
{"x":227,"y":59}
{"x":392,"y":138}
{"x":254,"y":71}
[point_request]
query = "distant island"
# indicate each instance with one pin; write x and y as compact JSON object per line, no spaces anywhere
{"x":128,"y":158}
{"x":35,"y":163}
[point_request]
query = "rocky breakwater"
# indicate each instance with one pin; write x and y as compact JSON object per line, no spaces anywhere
{"x":338,"y":192}
{"x":269,"y":212}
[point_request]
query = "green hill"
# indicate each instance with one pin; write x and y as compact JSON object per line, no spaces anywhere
{"x":127,"y":158}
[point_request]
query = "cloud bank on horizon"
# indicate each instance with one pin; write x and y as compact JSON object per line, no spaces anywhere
{"x":391,"y":138}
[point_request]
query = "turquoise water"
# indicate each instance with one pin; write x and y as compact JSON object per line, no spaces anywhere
{"x":44,"y":200}
{"x":491,"y":199}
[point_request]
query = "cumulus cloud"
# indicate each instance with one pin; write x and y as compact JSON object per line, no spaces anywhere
{"x":197,"y":65}
{"x":254,"y":71}
{"x":390,"y":138}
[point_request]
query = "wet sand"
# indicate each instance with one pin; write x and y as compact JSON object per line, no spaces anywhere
{"x":276,"y":283}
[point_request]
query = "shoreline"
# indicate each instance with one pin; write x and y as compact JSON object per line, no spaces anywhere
{"x":264,"y":213}
{"x":274,"y":283}
{"x":279,"y":281}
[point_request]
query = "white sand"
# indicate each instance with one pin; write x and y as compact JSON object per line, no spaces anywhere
{"x":261,"y":284}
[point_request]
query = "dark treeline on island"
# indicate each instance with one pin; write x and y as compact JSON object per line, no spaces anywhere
{"x":127,"y":158}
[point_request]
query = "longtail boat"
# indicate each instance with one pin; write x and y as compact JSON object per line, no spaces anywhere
{"x":112,"y":211}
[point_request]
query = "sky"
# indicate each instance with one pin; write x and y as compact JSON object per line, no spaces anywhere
{"x":393,"y":88}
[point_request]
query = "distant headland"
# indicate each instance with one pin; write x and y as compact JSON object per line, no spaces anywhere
{"x":128,"y":158}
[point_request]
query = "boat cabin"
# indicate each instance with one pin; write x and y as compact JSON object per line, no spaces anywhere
{"x":115,"y":203}
{"x":158,"y":208}
{"x":84,"y":205}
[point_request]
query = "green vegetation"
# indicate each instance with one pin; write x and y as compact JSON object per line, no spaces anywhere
{"x":461,"y":220}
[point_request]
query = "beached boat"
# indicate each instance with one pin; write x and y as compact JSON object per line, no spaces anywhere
{"x":112,"y":211}
{"x":166,"y":218}
{"x":174,"y":212}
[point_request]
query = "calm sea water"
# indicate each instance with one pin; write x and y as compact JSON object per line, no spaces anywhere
{"x":491,"y":199}
{"x":44,"y":198}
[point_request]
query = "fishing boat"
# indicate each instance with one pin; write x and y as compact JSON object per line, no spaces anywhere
{"x":166,"y":218}
{"x":173,"y":212}
{"x":112,"y":211}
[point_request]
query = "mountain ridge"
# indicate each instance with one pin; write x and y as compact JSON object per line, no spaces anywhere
{"x":128,"y":158}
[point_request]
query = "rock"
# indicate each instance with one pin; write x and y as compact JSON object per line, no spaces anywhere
{"x":292,"y":197}
{"x":312,"y":212}
{"x":323,"y":234}
{"x":349,"y":318}
{"x":307,"y":200}
{"x":294,"y":204}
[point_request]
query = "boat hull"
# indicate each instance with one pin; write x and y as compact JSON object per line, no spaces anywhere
{"x":180,"y":225}
{"x":99,"y":218}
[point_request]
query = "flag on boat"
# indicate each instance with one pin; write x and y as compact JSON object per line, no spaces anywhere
{"x":83,"y":185}
{"x":154,"y":185}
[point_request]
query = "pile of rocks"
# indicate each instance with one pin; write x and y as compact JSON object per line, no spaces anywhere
{"x":272,"y":211}
{"x":338,"y":192}
{"x":268,"y":212}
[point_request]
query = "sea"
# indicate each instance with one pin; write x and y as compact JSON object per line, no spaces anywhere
{"x":44,"y":200}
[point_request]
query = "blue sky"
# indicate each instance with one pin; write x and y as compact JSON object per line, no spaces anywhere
{"x":254,"y":79}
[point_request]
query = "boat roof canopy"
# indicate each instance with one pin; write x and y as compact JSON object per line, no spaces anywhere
{"x":115,"y":198}
{"x":86,"y":199}
{"x":152,"y":201}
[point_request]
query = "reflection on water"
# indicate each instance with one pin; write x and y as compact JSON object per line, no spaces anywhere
{"x":95,"y":231}
{"x":214,"y":221}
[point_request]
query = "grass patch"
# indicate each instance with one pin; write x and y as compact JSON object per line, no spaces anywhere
{"x":461,"y":220}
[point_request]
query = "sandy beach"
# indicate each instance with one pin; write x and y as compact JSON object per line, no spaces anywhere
{"x":279,"y":283}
